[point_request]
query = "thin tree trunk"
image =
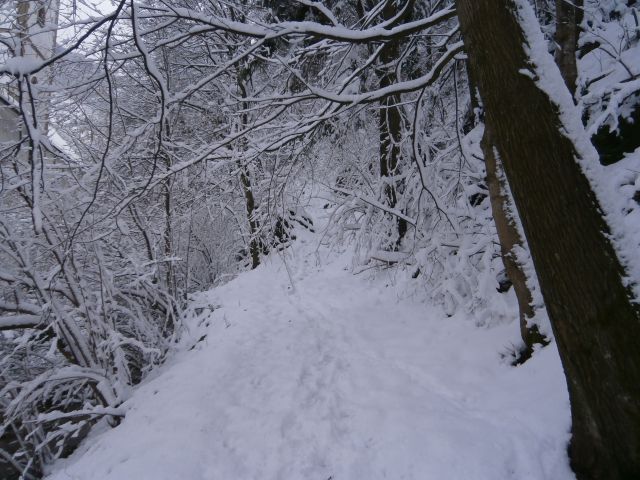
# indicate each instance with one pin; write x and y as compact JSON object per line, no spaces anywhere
{"x":568,"y":18}
{"x":510,"y":240}
{"x":254,"y":243}
{"x":170,"y":273}
{"x":595,"y":322}
{"x":168,"y":236}
{"x":245,"y":180}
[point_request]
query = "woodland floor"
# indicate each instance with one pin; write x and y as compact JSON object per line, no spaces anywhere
{"x":310,"y":372}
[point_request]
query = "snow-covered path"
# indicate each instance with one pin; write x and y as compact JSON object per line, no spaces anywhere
{"x":335,"y":379}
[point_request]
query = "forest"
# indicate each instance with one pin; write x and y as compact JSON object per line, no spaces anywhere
{"x":200,"y":193}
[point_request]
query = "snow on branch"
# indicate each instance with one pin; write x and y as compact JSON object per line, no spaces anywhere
{"x":15,"y":322}
{"x":312,"y":29}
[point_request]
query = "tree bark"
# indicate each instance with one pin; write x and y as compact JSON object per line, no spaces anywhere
{"x":568,"y":18}
{"x":390,"y":125}
{"x":245,"y":178}
{"x":510,"y":240}
{"x":595,"y":322}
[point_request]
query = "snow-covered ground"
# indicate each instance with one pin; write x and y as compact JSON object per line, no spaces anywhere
{"x":308,"y":372}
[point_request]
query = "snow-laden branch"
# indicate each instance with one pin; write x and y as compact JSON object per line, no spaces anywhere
{"x":397,"y":88}
{"x":90,"y":412}
{"x":16,"y":322}
{"x":312,"y":29}
{"x":375,"y":203}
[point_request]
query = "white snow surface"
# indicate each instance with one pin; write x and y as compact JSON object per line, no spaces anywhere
{"x":310,"y":372}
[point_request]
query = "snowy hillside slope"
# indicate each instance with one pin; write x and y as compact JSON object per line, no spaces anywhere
{"x":301,"y":370}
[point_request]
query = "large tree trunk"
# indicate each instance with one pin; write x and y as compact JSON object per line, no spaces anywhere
{"x":510,"y":240}
{"x":596,"y":324}
{"x":568,"y":18}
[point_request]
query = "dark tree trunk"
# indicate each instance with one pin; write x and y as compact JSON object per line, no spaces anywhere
{"x":168,"y":237}
{"x":245,"y":180}
{"x":170,"y":278}
{"x":596,"y":324}
{"x":390,"y":124}
{"x":568,"y":19}
{"x":254,"y":241}
{"x":510,"y":240}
